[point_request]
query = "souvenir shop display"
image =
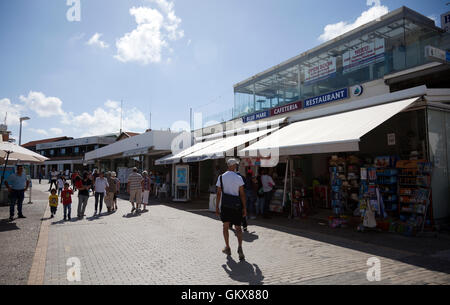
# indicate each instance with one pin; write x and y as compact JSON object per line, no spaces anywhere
{"x":353,"y":173}
{"x":387,"y":182}
{"x":414,"y":196}
{"x":276,"y":205}
{"x":301,"y":203}
{"x":338,"y":181}
{"x":376,"y":182}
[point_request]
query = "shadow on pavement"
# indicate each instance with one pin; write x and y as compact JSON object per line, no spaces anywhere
{"x":247,"y":236}
{"x":7,"y":225}
{"x":243,"y":271}
{"x":415,"y":251}
{"x":131,"y":215}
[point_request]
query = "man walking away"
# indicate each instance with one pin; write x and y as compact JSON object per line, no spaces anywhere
{"x":17,"y":185}
{"x":146,"y":186}
{"x":134,"y":188}
{"x":53,"y":179}
{"x":117,"y":181}
{"x":83,"y":194}
{"x":100,"y":189}
{"x":231,"y":195}
{"x":110,"y":192}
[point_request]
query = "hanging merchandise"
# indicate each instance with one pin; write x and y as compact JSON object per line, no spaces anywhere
{"x":414,"y":196}
{"x":369,"y":218}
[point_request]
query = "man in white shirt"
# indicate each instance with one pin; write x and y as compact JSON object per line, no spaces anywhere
{"x":101,"y":183}
{"x":231,"y":195}
{"x":53,"y":179}
{"x":267,"y":184}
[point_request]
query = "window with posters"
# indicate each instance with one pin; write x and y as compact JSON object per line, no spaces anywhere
{"x":366,"y":54}
{"x":321,"y":70}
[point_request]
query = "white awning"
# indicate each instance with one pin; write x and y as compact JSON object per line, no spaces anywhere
{"x":333,"y":133}
{"x":244,"y":127}
{"x":137,"y":152}
{"x":172,"y":159}
{"x":218,"y":150}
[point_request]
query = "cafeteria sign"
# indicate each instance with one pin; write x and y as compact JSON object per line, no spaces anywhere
{"x":327,"y":98}
{"x":286,"y":108}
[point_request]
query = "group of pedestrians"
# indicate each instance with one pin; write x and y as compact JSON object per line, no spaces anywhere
{"x":104,"y":189}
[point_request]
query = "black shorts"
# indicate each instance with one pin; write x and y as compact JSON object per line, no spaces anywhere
{"x":233,"y":216}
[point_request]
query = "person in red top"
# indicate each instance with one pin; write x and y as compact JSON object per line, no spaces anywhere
{"x":74,"y":178}
{"x":66,"y":200}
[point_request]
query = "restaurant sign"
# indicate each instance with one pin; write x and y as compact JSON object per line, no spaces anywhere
{"x":327,"y":98}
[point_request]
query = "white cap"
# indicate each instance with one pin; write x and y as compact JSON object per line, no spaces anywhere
{"x":232,"y":162}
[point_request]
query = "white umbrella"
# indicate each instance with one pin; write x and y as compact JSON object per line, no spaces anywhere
{"x":15,"y":152}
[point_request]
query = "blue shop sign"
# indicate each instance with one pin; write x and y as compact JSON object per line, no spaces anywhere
{"x":327,"y":98}
{"x":256,"y":116}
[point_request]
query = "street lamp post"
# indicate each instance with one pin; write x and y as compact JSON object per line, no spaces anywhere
{"x":20,"y":133}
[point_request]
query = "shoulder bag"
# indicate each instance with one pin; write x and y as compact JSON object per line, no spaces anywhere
{"x":230,"y":201}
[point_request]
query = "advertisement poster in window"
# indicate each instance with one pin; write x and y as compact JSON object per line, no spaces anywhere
{"x":323,"y":69}
{"x":181,"y":175}
{"x":366,"y":54}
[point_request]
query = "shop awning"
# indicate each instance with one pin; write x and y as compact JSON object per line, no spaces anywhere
{"x":219,"y":149}
{"x":137,"y":152}
{"x":172,"y":159}
{"x":333,"y":133}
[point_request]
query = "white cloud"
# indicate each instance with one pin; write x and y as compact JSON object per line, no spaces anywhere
{"x":155,"y":28}
{"x":112,"y":104}
{"x":375,"y":11}
{"x":39,"y":131}
{"x":106,"y":120}
{"x":76,"y":38}
{"x":96,"y":41}
{"x":11,"y":111}
{"x":56,"y":131}
{"x":434,"y":18}
{"x":44,"y":106}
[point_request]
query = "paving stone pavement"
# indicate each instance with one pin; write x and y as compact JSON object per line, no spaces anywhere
{"x":171,"y":246}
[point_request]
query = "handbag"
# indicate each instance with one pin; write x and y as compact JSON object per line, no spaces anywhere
{"x":261,"y":191}
{"x":230,"y":201}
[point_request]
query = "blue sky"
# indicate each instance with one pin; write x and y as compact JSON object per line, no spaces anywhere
{"x":158,"y":56}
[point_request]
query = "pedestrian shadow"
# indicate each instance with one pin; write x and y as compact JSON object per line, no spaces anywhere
{"x":92,"y":218}
{"x":131,"y":215}
{"x":7,"y":225}
{"x":59,"y":222}
{"x":249,"y":236}
{"x":246,"y":236}
{"x":243,"y":272}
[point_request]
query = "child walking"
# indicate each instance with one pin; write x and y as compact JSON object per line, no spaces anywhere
{"x":53,"y":202}
{"x":66,"y":200}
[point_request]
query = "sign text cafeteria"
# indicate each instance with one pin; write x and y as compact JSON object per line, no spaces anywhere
{"x":273,"y":112}
{"x":314,"y":101}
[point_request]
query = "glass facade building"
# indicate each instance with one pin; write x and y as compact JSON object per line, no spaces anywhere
{"x":391,"y":44}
